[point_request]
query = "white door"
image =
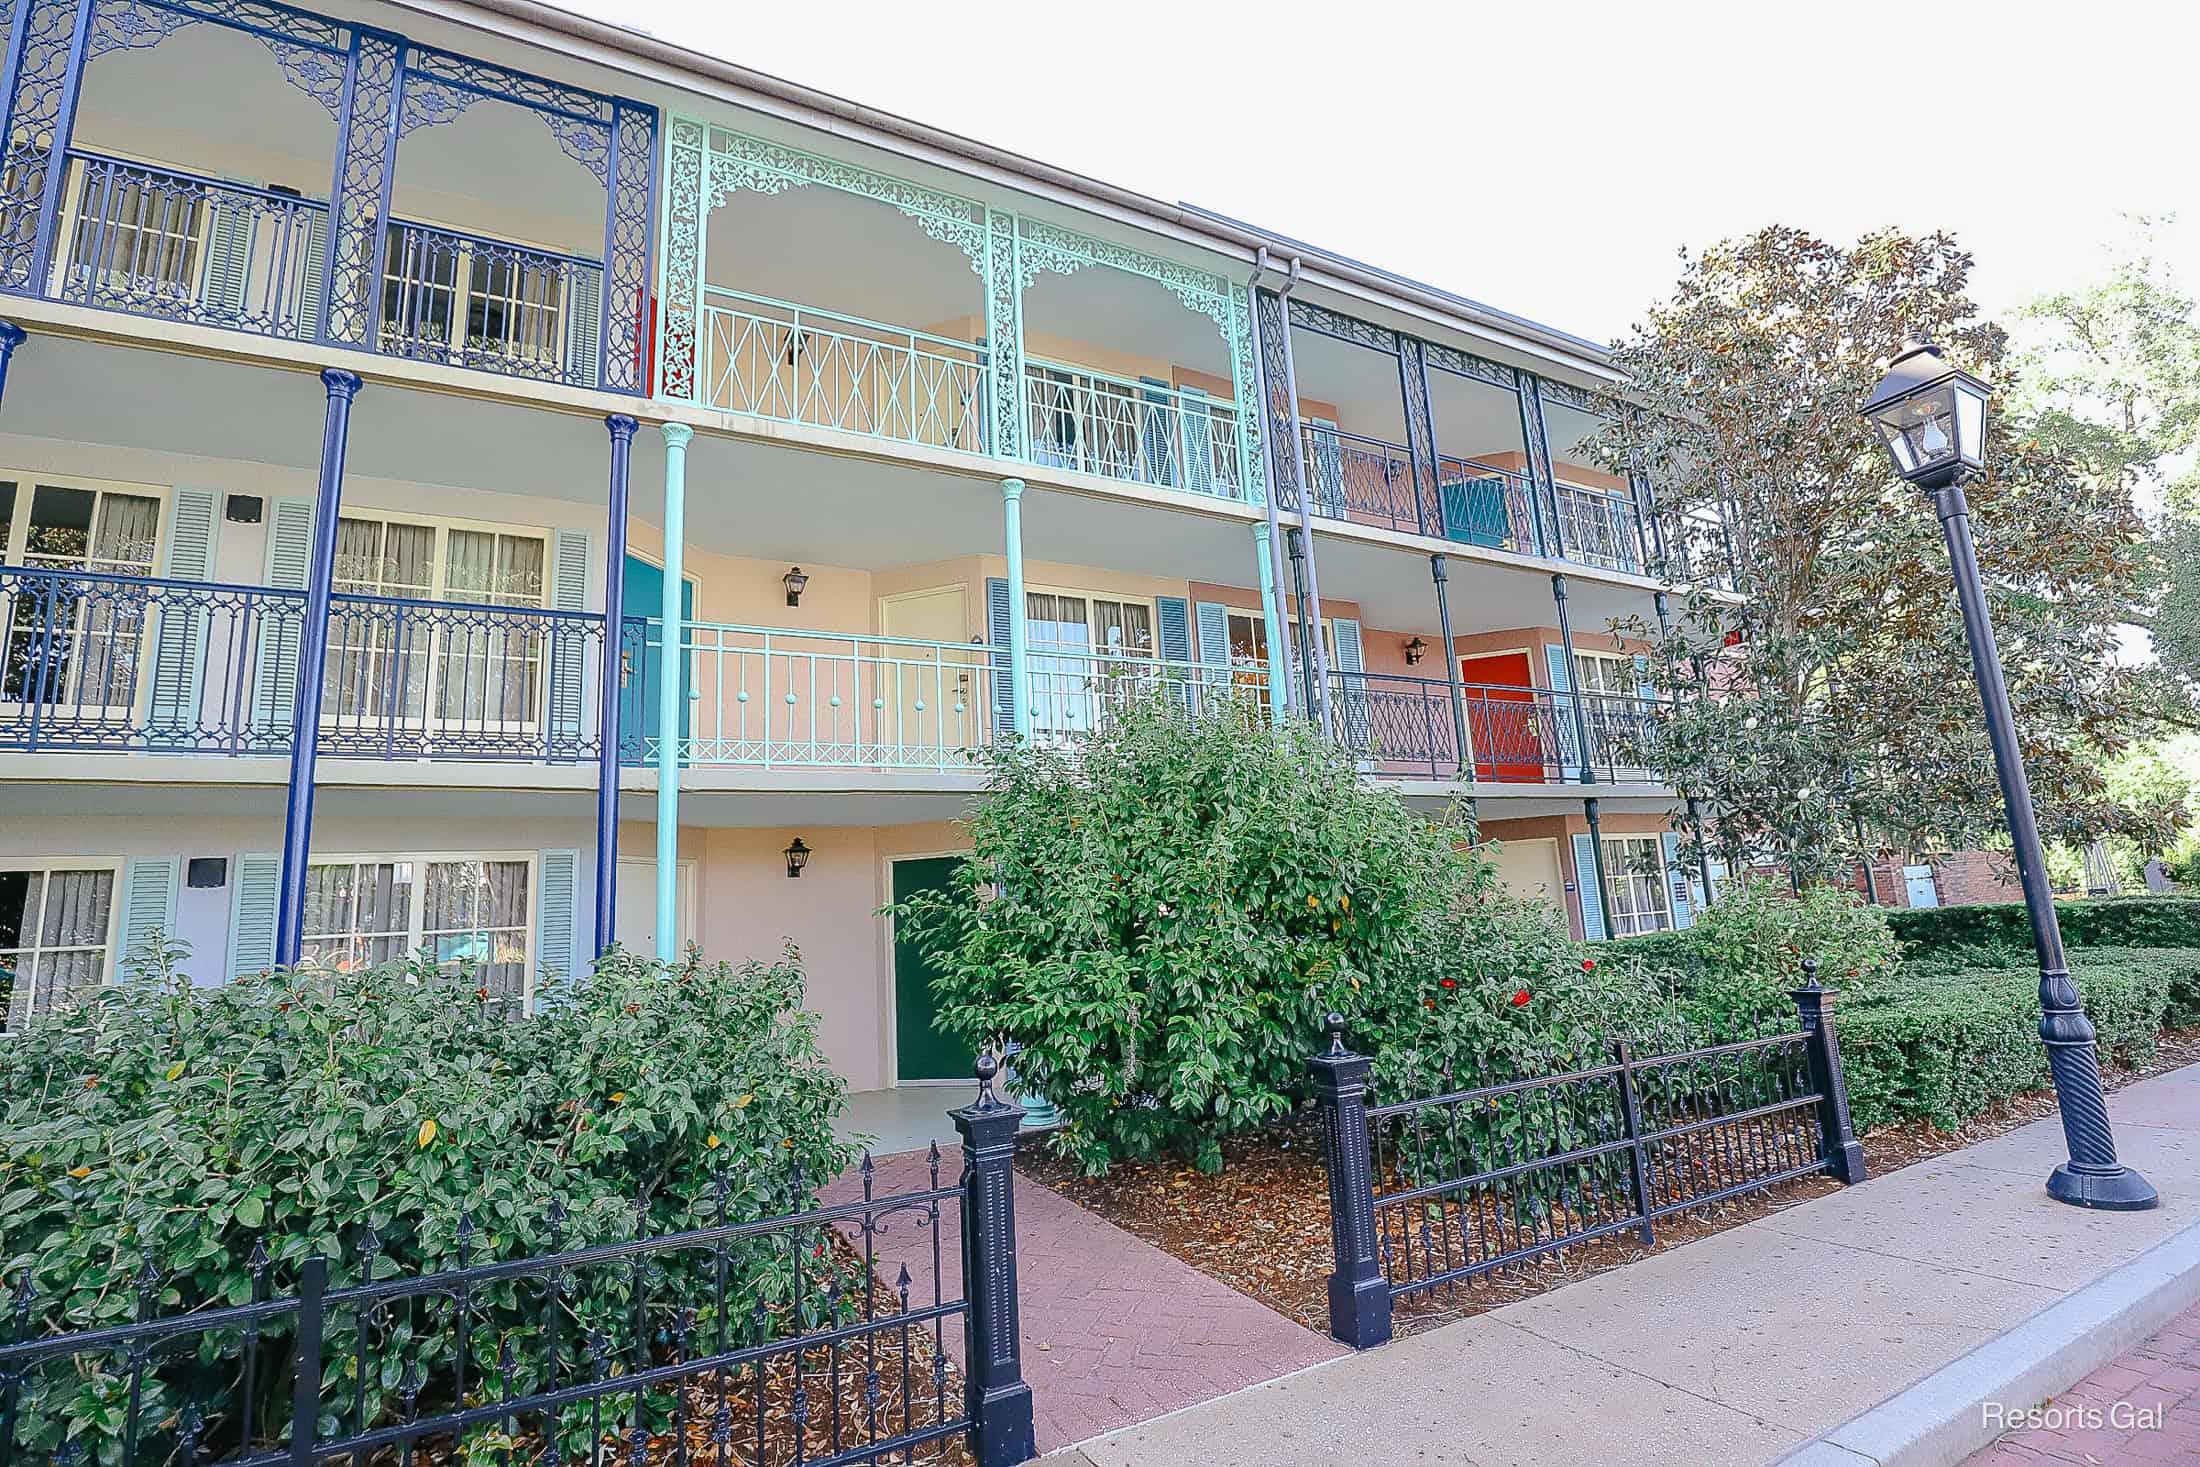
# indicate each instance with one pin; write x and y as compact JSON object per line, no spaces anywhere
{"x":637,"y":918}
{"x":1529,"y":867}
{"x":1918,"y":888}
{"x":934,"y":698}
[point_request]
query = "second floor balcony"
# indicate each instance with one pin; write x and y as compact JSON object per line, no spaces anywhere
{"x":270,"y":170}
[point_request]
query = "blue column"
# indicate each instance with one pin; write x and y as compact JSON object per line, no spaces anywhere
{"x":305,"y":703}
{"x":671,"y":687}
{"x":1012,"y":513}
{"x":1279,"y":674}
{"x":11,"y":337}
{"x":614,"y":641}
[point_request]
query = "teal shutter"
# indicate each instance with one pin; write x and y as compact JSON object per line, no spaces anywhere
{"x":253,"y":895}
{"x":997,"y":614}
{"x":569,"y":654}
{"x":275,"y":659}
{"x":1174,"y":617}
{"x":179,"y":635}
{"x":1585,"y":885}
{"x":1474,"y":510}
{"x":148,"y":905}
{"x":229,"y":232}
{"x":1565,"y":730}
{"x":1199,"y":441}
{"x":1214,"y":643}
{"x":583,"y":325}
{"x":557,"y":924}
{"x":1677,"y":882}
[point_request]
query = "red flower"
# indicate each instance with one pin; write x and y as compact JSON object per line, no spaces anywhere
{"x":482,"y":993}
{"x":1588,"y":965}
{"x":1450,"y":982}
{"x":1521,"y":997}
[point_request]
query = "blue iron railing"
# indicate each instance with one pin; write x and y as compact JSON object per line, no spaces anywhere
{"x":95,"y":662}
{"x":469,"y":301}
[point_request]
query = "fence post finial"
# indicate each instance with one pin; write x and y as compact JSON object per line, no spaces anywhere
{"x":1843,"y":1154}
{"x":995,"y":1395}
{"x":1359,"y":1295}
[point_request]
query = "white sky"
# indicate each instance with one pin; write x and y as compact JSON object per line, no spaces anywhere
{"x":1548,"y":159}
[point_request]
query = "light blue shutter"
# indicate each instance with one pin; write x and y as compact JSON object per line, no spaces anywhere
{"x":229,"y":234}
{"x":1214,"y":648}
{"x":1563,"y":727}
{"x":1352,"y":706}
{"x":569,"y":652}
{"x":275,"y":659}
{"x":583,"y":324}
{"x":148,"y":905}
{"x":1677,"y":882}
{"x":253,"y":896}
{"x":1156,"y":415}
{"x":1199,"y":440}
{"x":557,"y":925}
{"x":1585,"y":885}
{"x":997,"y":613}
{"x":179,"y":636}
{"x":312,"y":269}
{"x":1328,"y":470}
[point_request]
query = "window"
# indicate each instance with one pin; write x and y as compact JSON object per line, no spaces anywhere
{"x":1071,"y":637}
{"x":1602,"y":672}
{"x":447,"y":297}
{"x":56,"y":931}
{"x":1634,"y":871}
{"x":440,"y":669}
{"x":80,"y":651}
{"x":470,"y":912}
{"x":136,"y":238}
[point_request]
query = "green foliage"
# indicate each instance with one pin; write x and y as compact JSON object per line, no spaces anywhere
{"x":1945,"y":1046}
{"x":1162,"y":916}
{"x":1927,"y":934}
{"x":368,"y":1117}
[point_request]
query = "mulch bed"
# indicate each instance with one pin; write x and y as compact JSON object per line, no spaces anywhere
{"x":1262,"y":1224}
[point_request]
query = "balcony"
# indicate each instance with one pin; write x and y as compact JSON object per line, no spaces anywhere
{"x":481,"y":218}
{"x":100,"y":663}
{"x":1403,"y":726}
{"x":1139,"y":432}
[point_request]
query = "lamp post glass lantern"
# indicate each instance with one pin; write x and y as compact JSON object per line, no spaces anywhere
{"x":798,"y":856}
{"x":1931,"y":419}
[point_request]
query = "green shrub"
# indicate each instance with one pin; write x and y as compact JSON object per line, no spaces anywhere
{"x":1945,"y":1046}
{"x":2148,"y":921}
{"x":1162,"y":916}
{"x":167,"y":1129}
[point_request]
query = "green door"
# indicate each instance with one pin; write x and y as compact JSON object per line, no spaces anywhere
{"x":924,"y":1052}
{"x":645,"y":597}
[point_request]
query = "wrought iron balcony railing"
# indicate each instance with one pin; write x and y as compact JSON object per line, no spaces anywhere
{"x":1486,"y":505}
{"x":1597,"y":527}
{"x":1145,"y":432}
{"x":1404,"y":726}
{"x":1349,"y":476}
{"x":803,"y":365}
{"x":94,"y":662}
{"x":184,"y":247}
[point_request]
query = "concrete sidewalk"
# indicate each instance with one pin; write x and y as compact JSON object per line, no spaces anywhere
{"x":1736,"y":1349}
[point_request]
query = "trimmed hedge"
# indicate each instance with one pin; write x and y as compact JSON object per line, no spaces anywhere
{"x":2150,"y":921}
{"x":1944,"y":1046}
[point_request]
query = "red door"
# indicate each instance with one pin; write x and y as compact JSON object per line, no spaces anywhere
{"x":1502,"y":718}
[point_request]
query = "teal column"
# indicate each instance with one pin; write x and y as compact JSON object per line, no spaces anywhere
{"x":671,"y":690}
{"x":1279,"y":685}
{"x":1019,"y":694}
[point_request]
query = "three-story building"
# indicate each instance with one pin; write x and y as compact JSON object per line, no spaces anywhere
{"x":411,"y":376}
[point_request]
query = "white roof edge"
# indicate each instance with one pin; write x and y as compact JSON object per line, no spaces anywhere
{"x":618,"y":46}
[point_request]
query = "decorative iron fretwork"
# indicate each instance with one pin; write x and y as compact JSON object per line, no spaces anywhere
{"x":369,"y":152}
{"x":309,"y":49}
{"x":1539,"y":464}
{"x":627,"y":256}
{"x":37,"y":132}
{"x":490,"y":80}
{"x":739,"y":162}
{"x":1245,"y":380}
{"x":1580,"y":398}
{"x":1004,"y":325}
{"x":1420,"y":433}
{"x":1279,"y":415}
{"x":686,"y":174}
{"x":1467,"y":364}
{"x":440,"y":87}
{"x":1342,"y":327}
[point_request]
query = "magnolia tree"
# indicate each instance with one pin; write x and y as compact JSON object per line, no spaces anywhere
{"x":1828,"y":709}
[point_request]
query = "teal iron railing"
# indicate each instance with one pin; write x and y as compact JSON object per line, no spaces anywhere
{"x":1145,"y":432}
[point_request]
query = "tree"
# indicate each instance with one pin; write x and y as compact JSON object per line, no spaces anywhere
{"x":1830,"y":710}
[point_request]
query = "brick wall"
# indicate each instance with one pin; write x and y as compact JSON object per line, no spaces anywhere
{"x":1960,"y":876}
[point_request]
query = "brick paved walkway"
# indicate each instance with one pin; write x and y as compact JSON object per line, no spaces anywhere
{"x":2158,"y":1420}
{"x":1115,"y":1331}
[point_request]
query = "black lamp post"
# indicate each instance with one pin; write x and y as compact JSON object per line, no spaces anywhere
{"x":1931,"y":417}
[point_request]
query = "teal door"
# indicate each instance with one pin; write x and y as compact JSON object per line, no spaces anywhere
{"x":922,"y":1052}
{"x":645,"y":597}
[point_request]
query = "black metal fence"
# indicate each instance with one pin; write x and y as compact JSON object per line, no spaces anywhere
{"x":1433,"y":1193}
{"x":735,"y":1344}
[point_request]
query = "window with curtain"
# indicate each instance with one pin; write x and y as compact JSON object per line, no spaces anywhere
{"x":471,"y":914}
{"x":1069,"y":638}
{"x":56,"y":934}
{"x":1634,"y":870}
{"x":83,"y":653}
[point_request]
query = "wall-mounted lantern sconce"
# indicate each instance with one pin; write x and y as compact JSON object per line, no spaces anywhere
{"x":794,"y":581}
{"x":1415,"y":651}
{"x":798,"y":856}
